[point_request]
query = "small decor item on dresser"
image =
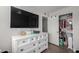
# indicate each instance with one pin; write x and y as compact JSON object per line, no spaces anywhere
{"x":23,"y":33}
{"x":36,"y":32}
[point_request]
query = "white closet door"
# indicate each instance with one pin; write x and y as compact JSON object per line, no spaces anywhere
{"x":53,"y":30}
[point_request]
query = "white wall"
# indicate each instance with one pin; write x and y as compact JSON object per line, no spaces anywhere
{"x":75,"y":11}
{"x":6,"y":32}
{"x":53,"y":30}
{"x":5,"y":39}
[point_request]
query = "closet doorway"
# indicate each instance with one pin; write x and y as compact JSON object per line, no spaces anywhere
{"x":66,"y":31}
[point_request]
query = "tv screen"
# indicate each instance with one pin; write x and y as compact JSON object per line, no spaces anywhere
{"x":23,"y":19}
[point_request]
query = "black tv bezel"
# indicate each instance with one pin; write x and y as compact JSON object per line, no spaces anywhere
{"x":21,"y":26}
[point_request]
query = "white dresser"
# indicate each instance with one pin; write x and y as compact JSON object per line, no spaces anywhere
{"x":34,"y":43}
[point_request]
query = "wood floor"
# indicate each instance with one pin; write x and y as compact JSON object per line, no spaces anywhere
{"x":55,"y":49}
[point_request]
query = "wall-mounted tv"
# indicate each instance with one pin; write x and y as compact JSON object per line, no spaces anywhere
{"x":23,"y":19}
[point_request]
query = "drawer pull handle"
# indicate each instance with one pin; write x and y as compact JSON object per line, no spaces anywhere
{"x":32,"y":39}
{"x":45,"y":44}
{"x":33,"y":44}
{"x":45,"y":39}
{"x":40,"y":36}
{"x":23,"y":41}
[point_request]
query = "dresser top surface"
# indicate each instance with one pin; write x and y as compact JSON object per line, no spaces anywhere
{"x":16,"y":37}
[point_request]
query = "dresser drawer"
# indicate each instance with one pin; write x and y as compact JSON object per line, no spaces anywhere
{"x":42,"y":47}
{"x":42,"y":41}
{"x":26,"y":47}
{"x":46,"y":45}
{"x":33,"y":51}
{"x":43,"y":36}
{"x":40,"y":37}
{"x":46,"y":39}
{"x":33,"y":39}
{"x":22,"y":41}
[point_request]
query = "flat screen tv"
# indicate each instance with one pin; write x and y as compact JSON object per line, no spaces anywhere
{"x":23,"y":19}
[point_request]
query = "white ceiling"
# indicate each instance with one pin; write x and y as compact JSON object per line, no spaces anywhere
{"x":49,"y":8}
{"x":42,"y":9}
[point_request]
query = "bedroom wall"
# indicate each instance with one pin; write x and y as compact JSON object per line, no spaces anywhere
{"x":5,"y":39}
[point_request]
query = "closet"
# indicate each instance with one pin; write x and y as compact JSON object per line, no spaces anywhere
{"x":66,"y":31}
